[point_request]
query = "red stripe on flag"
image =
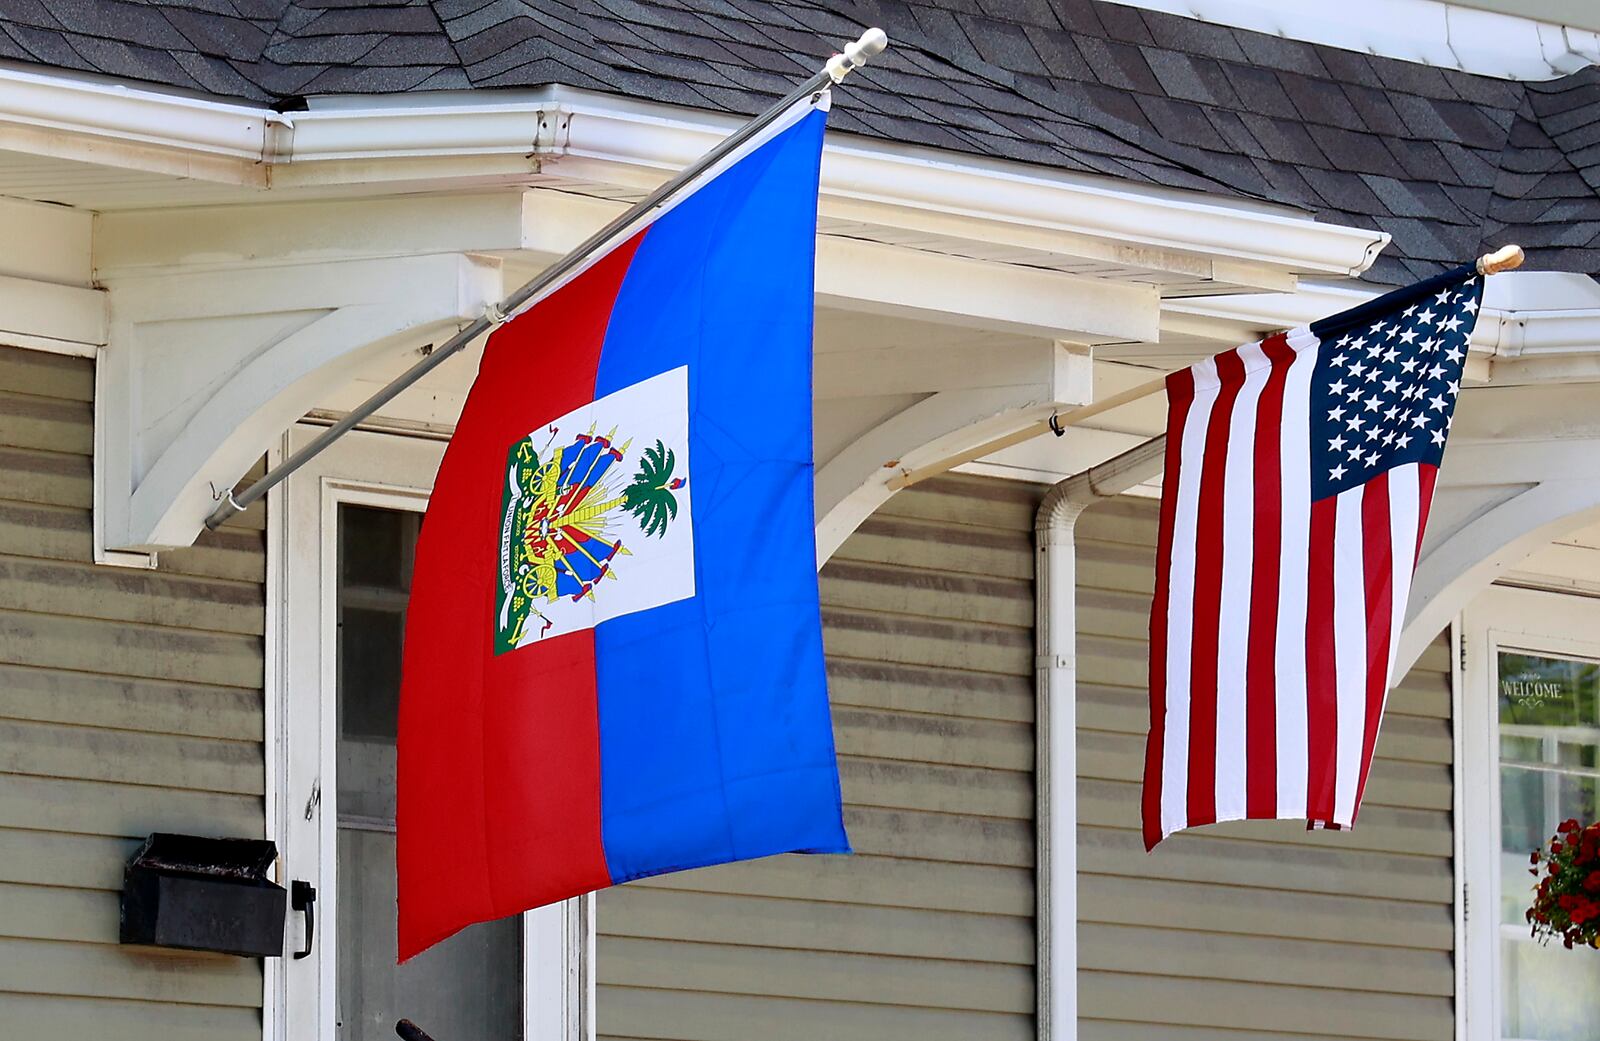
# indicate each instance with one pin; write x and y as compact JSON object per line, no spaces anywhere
{"x":1208,"y":596}
{"x":1322,"y":705}
{"x":499,"y":755}
{"x":1378,"y":568}
{"x":1426,"y":473}
{"x":1180,"y":394}
{"x":1261,"y":696}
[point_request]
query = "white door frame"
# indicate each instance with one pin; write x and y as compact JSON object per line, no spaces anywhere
{"x":394,"y":472}
{"x":1537,"y":621}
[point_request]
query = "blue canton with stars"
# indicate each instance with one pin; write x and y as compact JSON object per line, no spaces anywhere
{"x":1387,"y":378}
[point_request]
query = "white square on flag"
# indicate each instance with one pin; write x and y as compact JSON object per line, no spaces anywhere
{"x":596,"y":520}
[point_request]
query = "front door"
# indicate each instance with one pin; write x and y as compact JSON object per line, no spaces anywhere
{"x":344,"y":534}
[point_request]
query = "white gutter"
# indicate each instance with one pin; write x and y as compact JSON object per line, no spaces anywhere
{"x":1056,"y":725}
{"x":603,"y":139}
{"x":561,"y":126}
{"x":112,"y":114}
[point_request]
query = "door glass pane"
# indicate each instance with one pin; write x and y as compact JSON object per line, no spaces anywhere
{"x":468,"y":988}
{"x":1549,"y":738}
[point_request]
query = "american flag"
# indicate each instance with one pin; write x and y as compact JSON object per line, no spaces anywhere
{"x":1299,"y":472}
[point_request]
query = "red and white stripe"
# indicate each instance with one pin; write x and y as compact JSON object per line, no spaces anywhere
{"x":1275,"y":618}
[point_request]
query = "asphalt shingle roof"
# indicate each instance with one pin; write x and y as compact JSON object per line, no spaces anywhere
{"x":1449,"y":163}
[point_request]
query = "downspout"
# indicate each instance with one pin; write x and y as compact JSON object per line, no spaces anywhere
{"x":1056,"y":725}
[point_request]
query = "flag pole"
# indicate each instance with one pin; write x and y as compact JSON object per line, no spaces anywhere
{"x":854,"y":56}
{"x":1506,"y":258}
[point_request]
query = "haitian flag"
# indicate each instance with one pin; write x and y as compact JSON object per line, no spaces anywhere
{"x":613,"y":657}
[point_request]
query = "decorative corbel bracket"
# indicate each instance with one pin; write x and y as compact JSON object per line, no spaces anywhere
{"x":205,"y":370}
{"x":943,"y":426}
{"x":1499,"y":500}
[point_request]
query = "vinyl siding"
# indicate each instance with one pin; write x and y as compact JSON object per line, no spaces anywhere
{"x":130,"y":702}
{"x":1263,"y":930}
{"x":926,"y":933}
{"x":1250,"y":933}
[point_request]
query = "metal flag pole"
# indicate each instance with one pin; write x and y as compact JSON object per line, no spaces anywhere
{"x":855,"y":55}
{"x":1506,"y":258}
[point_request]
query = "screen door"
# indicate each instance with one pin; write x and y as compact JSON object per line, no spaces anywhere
{"x":343,"y":533}
{"x":469,"y":986}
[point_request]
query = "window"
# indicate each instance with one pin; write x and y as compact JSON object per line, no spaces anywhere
{"x":1529,"y":759}
{"x":1549,"y":716}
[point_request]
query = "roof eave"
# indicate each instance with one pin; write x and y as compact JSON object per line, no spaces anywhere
{"x":610,"y":140}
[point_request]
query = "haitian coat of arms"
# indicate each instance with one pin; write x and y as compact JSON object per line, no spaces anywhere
{"x":571,"y":509}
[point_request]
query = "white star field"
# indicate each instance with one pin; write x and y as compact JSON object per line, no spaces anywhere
{"x":1383,"y":393}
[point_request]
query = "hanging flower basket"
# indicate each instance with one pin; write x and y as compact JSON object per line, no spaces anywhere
{"x":1567,"y":902}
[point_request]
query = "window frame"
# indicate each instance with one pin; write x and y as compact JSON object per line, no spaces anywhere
{"x":387,"y":471}
{"x":1512,"y":619}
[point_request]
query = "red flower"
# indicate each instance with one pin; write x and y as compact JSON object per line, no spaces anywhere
{"x":1533,"y":858}
{"x":1592,"y":883}
{"x":1556,"y":848}
{"x":1566,"y":901}
{"x":1570,"y":824}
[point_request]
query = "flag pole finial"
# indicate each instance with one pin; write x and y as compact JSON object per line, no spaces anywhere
{"x":857,"y":54}
{"x":1506,"y":258}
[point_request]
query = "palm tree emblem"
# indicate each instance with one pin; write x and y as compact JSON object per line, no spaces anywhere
{"x":649,"y":498}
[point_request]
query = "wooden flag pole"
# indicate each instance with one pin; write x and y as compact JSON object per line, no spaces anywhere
{"x":854,"y":55}
{"x":1506,"y":258}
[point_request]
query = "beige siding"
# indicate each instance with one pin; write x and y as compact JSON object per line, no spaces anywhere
{"x":1248,"y":932}
{"x":130,"y":702}
{"x":927,"y":932}
{"x":1263,"y":930}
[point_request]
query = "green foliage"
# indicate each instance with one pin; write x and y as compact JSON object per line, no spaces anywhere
{"x":1566,"y":903}
{"x":649,"y":498}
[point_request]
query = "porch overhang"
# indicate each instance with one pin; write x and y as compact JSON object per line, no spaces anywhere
{"x":930,"y":266}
